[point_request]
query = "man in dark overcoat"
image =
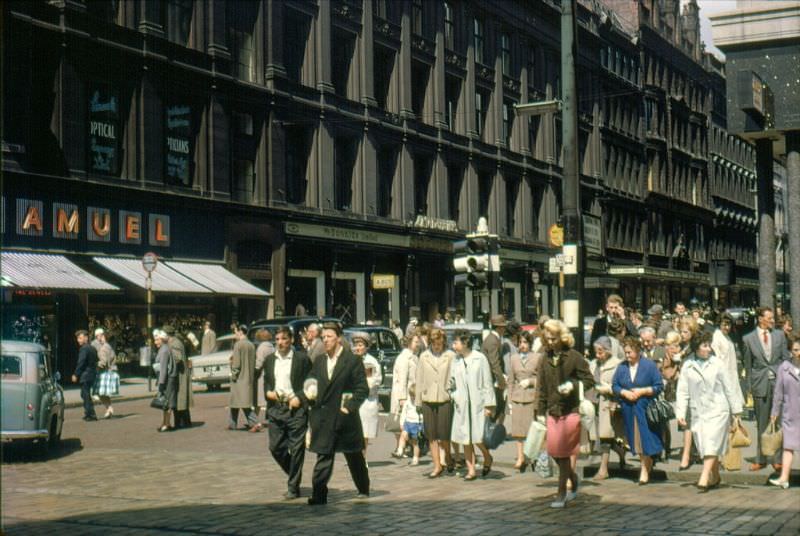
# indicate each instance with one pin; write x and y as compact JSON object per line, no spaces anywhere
{"x":338,"y":386}
{"x":285,"y":371}
{"x":86,"y":373}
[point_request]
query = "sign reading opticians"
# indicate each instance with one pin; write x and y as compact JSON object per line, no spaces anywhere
{"x":103,"y":130}
{"x":178,"y":150}
{"x":96,"y":224}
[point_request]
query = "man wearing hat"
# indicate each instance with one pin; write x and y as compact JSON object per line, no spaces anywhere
{"x":337,"y":386}
{"x":492,"y":348}
{"x":243,"y":370}
{"x":661,"y":326}
{"x":185,"y":400}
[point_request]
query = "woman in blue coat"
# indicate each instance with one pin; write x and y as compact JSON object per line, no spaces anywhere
{"x":637,"y":382}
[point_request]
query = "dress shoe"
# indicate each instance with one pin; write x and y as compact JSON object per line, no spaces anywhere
{"x":779,"y":483}
{"x":487,"y":467}
{"x":436,"y":474}
{"x":757,"y":466}
{"x":644,"y":482}
{"x":290,"y":495}
{"x":470,"y":478}
{"x":316,"y":501}
{"x":362,"y":496}
{"x":90,"y":418}
{"x":684,"y":467}
{"x":558,"y":503}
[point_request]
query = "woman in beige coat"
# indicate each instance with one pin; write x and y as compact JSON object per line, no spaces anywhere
{"x":433,"y":377}
{"x":522,"y":393}
{"x":609,"y":428}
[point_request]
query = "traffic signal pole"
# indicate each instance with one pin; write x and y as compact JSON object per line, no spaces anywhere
{"x":571,"y":205}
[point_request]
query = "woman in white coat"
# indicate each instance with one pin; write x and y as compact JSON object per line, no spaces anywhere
{"x":472,"y":391}
{"x":725,"y":350}
{"x":401,"y":377}
{"x":369,"y":409}
{"x":706,"y":393}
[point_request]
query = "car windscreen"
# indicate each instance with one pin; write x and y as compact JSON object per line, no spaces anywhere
{"x":11,"y":367}
{"x":225,"y":345}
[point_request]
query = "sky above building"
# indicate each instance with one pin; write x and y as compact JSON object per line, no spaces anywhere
{"x":707,"y":8}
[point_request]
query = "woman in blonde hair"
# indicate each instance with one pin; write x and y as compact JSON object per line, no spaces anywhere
{"x":560,"y":371}
{"x":670,"y":371}
{"x":689,"y":331}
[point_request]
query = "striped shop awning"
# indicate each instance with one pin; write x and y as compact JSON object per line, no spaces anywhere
{"x":165,"y":279}
{"x":44,"y":271}
{"x":217,"y":278}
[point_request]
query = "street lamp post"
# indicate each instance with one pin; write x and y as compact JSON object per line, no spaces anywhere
{"x":149,"y":263}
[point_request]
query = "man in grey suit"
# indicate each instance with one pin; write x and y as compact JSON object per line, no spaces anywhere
{"x":763,"y":350}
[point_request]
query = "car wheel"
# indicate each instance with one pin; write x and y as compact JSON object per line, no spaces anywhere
{"x":54,"y":438}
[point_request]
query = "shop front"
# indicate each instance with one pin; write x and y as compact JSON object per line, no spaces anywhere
{"x":74,"y":262}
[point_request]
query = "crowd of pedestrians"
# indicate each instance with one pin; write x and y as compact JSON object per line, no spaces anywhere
{"x":452,"y":394}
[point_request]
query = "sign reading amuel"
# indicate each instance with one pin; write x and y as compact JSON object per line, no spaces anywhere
{"x":96,"y":224}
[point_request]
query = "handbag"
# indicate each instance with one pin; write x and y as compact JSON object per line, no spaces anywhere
{"x":393,"y":423}
{"x":534,"y":441}
{"x":159,"y":401}
{"x":659,"y":412}
{"x":739,"y":436}
{"x":108,"y":383}
{"x":586,"y":409}
{"x":771,"y":440}
{"x":732,"y":460}
{"x":493,"y":434}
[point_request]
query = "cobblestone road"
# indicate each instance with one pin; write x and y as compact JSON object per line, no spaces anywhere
{"x":122,"y":477}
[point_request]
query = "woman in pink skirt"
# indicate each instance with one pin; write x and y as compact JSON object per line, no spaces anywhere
{"x":560,"y":371}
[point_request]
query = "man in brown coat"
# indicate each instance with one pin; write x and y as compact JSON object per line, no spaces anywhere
{"x":243,"y":366}
{"x":492,"y":348}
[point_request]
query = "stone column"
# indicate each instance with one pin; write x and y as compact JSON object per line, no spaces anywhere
{"x":793,"y":212}
{"x":323,"y":43}
{"x":279,"y":264}
{"x":438,"y":71}
{"x":404,"y":59}
{"x":366,"y":53}
{"x":274,"y":41}
{"x":766,"y":227}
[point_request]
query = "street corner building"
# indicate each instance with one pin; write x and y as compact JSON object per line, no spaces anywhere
{"x":323,"y":155}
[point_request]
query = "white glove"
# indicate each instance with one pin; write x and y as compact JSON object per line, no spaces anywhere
{"x":310,"y":389}
{"x":565,"y":388}
{"x":525,"y":383}
{"x":541,"y":420}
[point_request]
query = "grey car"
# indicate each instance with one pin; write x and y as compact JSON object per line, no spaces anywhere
{"x":32,"y":399}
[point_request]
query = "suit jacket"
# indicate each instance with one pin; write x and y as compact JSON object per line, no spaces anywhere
{"x":301,"y":367}
{"x":332,"y":430}
{"x":600,"y":328}
{"x":316,"y":349}
{"x":86,"y":371}
{"x":243,"y":370}
{"x":491,"y":348}
{"x":209,"y":342}
{"x":762,"y":371}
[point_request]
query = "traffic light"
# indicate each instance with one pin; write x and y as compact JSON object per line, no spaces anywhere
{"x":471,"y":261}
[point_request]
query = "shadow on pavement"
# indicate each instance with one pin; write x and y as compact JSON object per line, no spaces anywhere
{"x":29,"y":452}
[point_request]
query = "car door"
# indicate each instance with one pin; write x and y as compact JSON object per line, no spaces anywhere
{"x":13,"y":372}
{"x":48,"y":391}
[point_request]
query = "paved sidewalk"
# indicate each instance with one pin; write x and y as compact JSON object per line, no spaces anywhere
{"x":134,"y":388}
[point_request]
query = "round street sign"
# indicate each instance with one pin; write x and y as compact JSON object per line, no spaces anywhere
{"x":149,"y":262}
{"x":556,"y":235}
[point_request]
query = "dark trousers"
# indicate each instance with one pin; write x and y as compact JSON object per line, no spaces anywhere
{"x":287,"y":441}
{"x":324,"y":469}
{"x":762,"y":407}
{"x":86,"y":396}
{"x":500,"y":408}
{"x":250,"y":417}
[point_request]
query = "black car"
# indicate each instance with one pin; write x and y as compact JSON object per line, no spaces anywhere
{"x":385,"y":348}
{"x":297,"y":324}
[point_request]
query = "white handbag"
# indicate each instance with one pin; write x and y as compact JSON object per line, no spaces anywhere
{"x":586,"y":409}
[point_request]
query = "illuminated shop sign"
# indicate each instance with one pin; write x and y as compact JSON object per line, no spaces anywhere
{"x":96,"y":224}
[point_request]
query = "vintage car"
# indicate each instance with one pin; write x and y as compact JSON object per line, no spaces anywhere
{"x":32,"y":399}
{"x":297,"y":324}
{"x":212,"y":369}
{"x":385,"y":348}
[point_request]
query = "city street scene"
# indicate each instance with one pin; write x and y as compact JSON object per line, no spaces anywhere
{"x":393,"y":266}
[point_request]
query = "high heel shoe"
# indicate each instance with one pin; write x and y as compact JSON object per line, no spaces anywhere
{"x":487,"y":467}
{"x":470,"y":478}
{"x":436,"y":474}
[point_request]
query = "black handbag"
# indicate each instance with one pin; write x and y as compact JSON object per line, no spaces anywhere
{"x":493,"y":434}
{"x":659,"y":412}
{"x":159,"y":402}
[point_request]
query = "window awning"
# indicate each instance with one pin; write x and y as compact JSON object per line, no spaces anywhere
{"x":217,"y":278}
{"x":165,"y":279}
{"x":35,"y":270}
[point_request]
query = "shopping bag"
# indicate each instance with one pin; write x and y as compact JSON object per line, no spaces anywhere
{"x":543,"y":466}
{"x":732,"y":460}
{"x":739,"y":436}
{"x":534,"y":441}
{"x":771,"y":440}
{"x":108,"y":383}
{"x":393,"y":423}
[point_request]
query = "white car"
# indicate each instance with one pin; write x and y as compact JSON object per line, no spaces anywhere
{"x":212,"y":369}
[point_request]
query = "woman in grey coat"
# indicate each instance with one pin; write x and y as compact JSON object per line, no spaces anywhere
{"x":167,"y":377}
{"x":786,"y":405}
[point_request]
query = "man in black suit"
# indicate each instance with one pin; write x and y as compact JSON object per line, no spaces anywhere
{"x":615,"y":308}
{"x":338,"y":386}
{"x":285,"y":370}
{"x":763,"y":350}
{"x":86,"y":372}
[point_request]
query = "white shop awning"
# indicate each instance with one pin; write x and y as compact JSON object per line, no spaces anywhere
{"x":165,"y":279}
{"x":55,"y":272}
{"x":217,"y":278}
